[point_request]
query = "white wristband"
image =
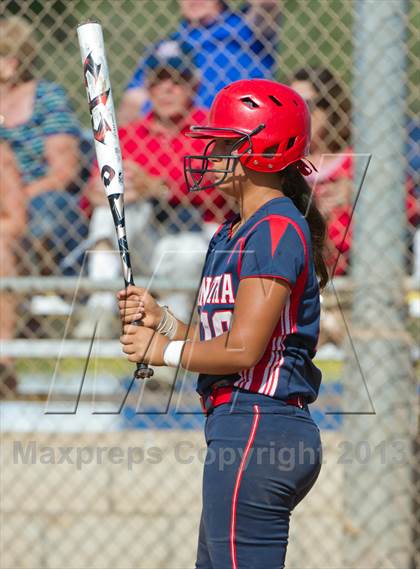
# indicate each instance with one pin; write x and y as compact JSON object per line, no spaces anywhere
{"x":173,"y":353}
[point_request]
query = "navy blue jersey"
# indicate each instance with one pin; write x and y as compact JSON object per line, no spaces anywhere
{"x":274,"y":242}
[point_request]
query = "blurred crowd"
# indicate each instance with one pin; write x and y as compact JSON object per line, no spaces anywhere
{"x":52,"y":204}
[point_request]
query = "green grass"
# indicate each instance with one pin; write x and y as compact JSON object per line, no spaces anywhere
{"x":332,"y":370}
{"x":68,"y":365}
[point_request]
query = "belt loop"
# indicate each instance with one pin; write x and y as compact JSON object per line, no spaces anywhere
{"x":203,"y":404}
{"x":206,"y":404}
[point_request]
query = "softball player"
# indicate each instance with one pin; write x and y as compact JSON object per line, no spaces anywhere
{"x":259,"y":324}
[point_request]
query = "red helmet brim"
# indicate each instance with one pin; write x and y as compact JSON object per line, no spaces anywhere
{"x":207,"y":132}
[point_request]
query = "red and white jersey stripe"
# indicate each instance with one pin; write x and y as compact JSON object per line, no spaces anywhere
{"x":264,"y":377}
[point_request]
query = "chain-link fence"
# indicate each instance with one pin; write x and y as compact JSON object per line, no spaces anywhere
{"x":93,"y":477}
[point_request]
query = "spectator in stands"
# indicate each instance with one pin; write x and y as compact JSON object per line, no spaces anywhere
{"x":159,"y":210}
{"x":224,"y":45}
{"x":12,"y":225}
{"x":333,"y":184}
{"x":42,"y":132}
{"x":332,"y":155}
{"x":413,"y":198}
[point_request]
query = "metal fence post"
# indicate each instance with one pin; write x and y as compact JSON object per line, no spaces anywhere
{"x":380,"y":399}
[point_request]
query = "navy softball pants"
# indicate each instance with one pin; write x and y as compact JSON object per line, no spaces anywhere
{"x":263,"y":457}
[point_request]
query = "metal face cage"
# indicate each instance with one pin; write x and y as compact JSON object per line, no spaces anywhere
{"x":198,"y":169}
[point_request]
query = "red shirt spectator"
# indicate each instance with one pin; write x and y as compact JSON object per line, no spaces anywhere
{"x":160,"y":152}
{"x":335,"y":180}
{"x":332,"y":184}
{"x":153,"y":150}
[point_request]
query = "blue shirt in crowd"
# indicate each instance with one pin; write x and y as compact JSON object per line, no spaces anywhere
{"x":223,"y":51}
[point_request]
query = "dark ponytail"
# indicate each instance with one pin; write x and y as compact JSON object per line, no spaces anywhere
{"x":295,"y":187}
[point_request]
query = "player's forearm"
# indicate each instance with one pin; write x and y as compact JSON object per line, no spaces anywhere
{"x":185,"y":331}
{"x":222,"y":355}
{"x":163,"y":321}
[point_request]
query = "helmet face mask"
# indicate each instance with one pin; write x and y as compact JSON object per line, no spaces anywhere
{"x":199,"y":167}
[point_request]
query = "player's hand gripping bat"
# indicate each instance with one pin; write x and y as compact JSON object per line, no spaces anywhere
{"x":107,"y":145}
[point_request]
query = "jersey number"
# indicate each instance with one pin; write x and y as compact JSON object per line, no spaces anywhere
{"x":220,"y":323}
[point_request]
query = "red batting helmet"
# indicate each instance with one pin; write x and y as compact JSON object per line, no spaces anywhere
{"x":271,"y":125}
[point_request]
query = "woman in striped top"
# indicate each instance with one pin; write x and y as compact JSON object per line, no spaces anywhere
{"x":42,"y":131}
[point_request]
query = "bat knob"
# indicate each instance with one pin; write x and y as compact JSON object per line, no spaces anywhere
{"x":143,"y":372}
